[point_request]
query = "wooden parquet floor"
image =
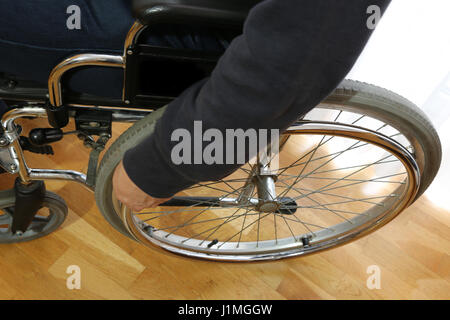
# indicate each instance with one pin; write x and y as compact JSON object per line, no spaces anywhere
{"x":412,"y":253}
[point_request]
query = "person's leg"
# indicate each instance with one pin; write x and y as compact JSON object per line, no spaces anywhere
{"x":3,"y":108}
{"x":34,"y":38}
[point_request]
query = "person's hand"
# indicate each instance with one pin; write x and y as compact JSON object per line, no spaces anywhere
{"x":130,"y":194}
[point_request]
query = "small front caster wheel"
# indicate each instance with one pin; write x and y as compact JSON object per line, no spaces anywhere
{"x":48,"y":218}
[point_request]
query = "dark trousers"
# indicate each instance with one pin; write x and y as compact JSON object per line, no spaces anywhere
{"x":34,"y":38}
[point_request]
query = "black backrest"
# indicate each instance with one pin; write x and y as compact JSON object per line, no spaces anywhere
{"x":208,"y":12}
{"x":166,"y":64}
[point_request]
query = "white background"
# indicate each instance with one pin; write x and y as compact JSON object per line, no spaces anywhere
{"x":409,"y":53}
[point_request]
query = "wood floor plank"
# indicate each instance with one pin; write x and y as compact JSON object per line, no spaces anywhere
{"x":412,"y":253}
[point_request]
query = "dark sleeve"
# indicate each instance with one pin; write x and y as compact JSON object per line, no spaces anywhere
{"x":291,"y":55}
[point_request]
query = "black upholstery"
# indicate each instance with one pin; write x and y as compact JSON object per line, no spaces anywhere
{"x":209,"y":12}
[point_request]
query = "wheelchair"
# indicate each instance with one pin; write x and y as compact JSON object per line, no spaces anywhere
{"x":352,"y":164}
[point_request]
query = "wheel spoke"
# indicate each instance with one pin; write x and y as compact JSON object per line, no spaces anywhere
{"x":212,"y":228}
{"x":359,"y":180}
{"x":206,"y":221}
{"x":349,"y":175}
{"x":214,"y":182}
{"x":248,"y":226}
{"x":221,"y":225}
{"x":353,"y":167}
{"x":355,"y":183}
{"x":344,"y":197}
{"x":322,"y":205}
{"x":302,"y":222}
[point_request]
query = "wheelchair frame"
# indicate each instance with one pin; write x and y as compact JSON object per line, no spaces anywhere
{"x":12,"y":157}
{"x":58,"y":112}
{"x":11,"y":154}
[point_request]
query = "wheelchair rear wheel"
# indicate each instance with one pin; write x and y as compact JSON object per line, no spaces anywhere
{"x":347,"y":168}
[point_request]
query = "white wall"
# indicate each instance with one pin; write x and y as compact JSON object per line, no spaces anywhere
{"x":409,"y":53}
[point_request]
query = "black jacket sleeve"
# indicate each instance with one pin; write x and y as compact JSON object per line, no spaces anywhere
{"x":291,"y":55}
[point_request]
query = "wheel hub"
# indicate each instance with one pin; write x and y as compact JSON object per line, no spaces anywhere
{"x":268,"y":207}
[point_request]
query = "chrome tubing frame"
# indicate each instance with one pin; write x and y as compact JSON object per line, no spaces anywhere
{"x":16,"y":162}
{"x":16,"y":157}
{"x":133,"y":36}
{"x":12,"y":157}
{"x":80,"y":60}
{"x":88,"y":59}
{"x":27,"y":174}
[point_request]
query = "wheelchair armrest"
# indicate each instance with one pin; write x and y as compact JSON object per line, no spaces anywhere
{"x":220,"y":13}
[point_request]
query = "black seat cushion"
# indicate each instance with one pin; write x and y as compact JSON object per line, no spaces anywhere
{"x":210,"y":12}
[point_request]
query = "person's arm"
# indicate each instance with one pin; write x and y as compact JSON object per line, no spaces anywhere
{"x":292,"y":54}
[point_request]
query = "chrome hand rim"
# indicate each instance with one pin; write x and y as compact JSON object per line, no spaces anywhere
{"x":285,"y":247}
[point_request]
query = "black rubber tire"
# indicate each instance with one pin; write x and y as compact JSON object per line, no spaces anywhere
{"x":361,"y":97}
{"x":51,"y":200}
{"x":103,"y":187}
